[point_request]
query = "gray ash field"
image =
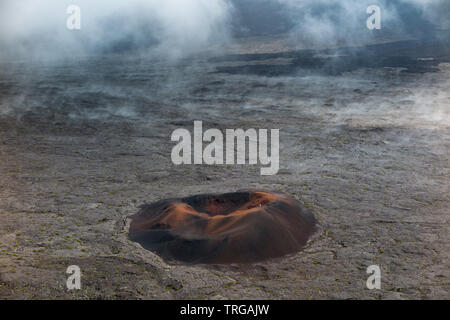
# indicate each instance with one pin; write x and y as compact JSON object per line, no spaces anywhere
{"x":365,"y":146}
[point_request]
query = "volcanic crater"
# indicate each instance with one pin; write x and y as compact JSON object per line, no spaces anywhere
{"x":242,"y":227}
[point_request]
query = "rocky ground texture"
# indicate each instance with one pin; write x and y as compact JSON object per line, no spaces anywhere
{"x":366,"y":150}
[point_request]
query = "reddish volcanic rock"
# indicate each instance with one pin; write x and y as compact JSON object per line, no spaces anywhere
{"x":241,"y":227}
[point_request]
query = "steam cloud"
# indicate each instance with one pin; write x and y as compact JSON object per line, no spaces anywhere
{"x":334,"y":22}
{"x":180,"y":26}
{"x":177,"y":27}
